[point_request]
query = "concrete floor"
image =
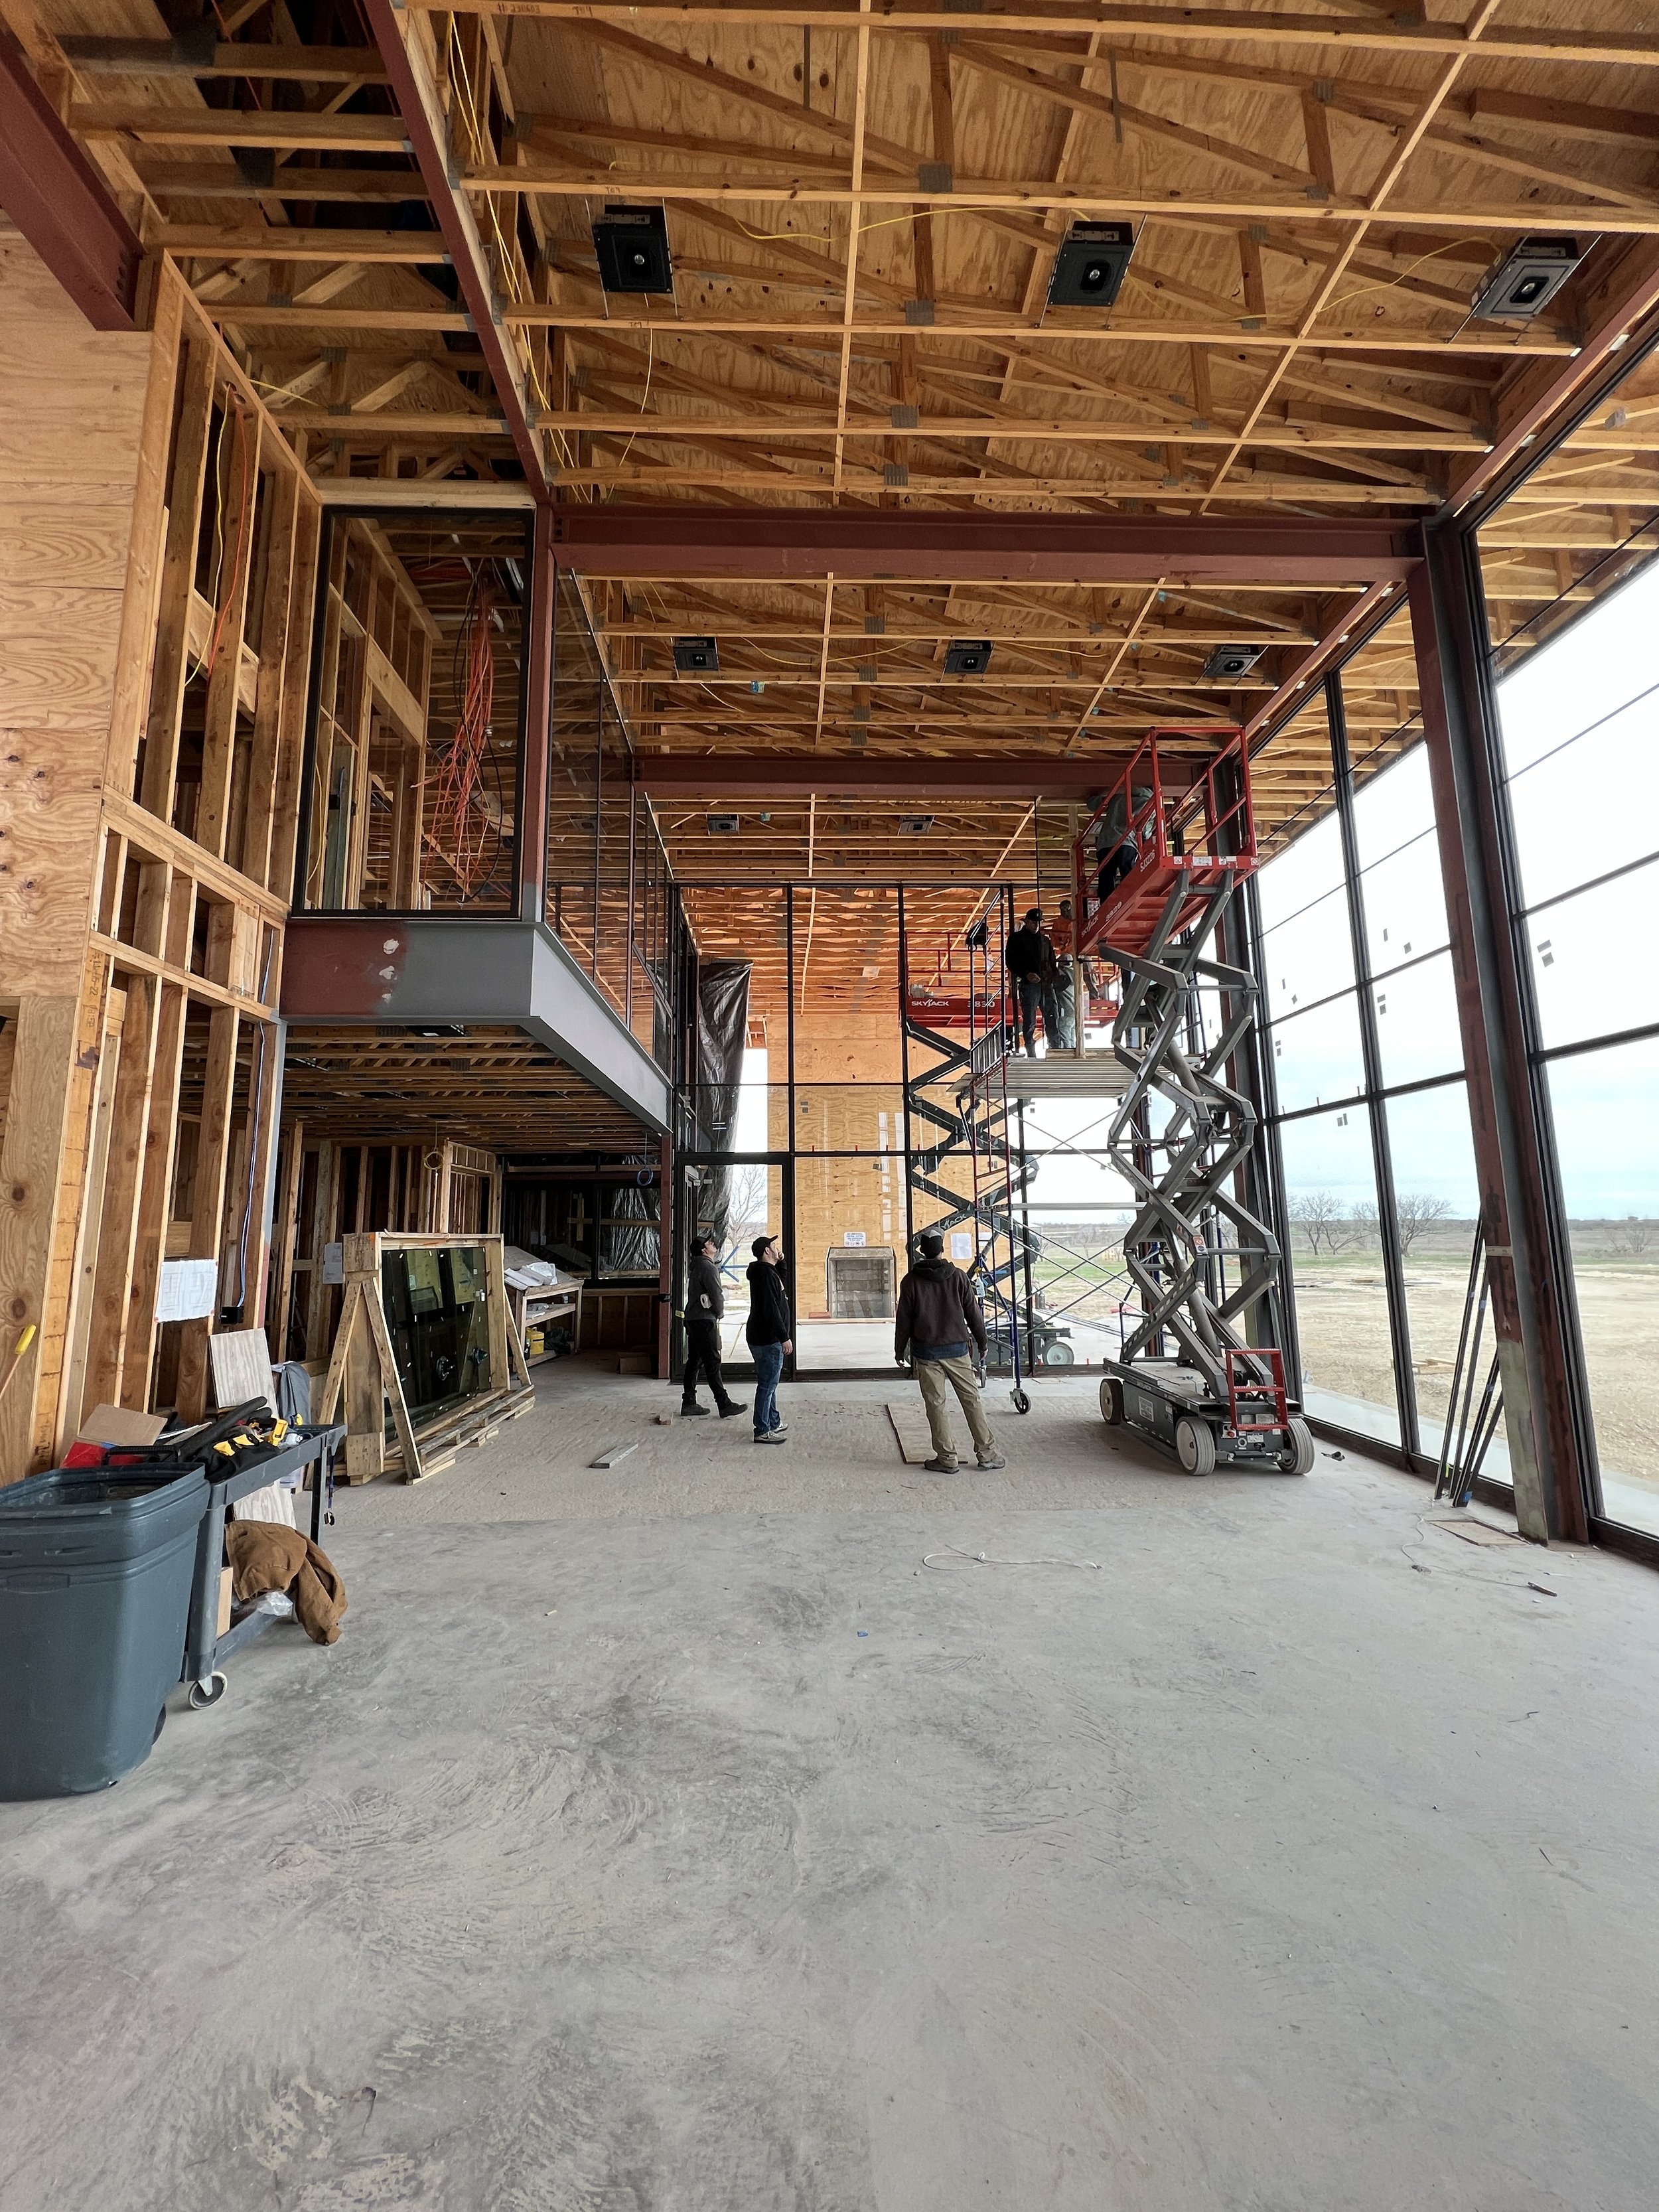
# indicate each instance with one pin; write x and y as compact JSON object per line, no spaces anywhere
{"x":676,"y":1840}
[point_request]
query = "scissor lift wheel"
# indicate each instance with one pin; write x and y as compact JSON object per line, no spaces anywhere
{"x":1195,"y":1442}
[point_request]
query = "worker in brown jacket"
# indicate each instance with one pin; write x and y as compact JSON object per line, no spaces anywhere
{"x":939,"y":1323}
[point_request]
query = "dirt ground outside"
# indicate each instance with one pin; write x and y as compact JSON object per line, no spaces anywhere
{"x":1342,"y":1315}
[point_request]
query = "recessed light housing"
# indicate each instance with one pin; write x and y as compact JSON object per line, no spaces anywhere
{"x":722,"y":825}
{"x":1527,"y":279}
{"x":968,"y":656}
{"x":696,"y":656}
{"x":915,"y":825}
{"x":1228,"y":662}
{"x":1090,"y":264}
{"x":632,"y":246}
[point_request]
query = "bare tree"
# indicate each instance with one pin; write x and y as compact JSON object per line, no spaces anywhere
{"x":1415,"y":1212}
{"x":1364,"y":1218}
{"x":1633,"y":1238}
{"x":1320,"y":1216}
{"x":747,"y":1216}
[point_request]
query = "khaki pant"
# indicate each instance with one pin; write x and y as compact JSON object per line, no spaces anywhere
{"x":934,"y":1374}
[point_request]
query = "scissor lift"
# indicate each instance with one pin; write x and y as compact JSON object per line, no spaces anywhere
{"x":1201,"y":1262}
{"x":960,"y":1097}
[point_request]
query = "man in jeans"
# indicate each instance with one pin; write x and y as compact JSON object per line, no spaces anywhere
{"x":939,"y":1318}
{"x":768,"y":1333}
{"x":1027,"y":953}
{"x":705,"y":1306}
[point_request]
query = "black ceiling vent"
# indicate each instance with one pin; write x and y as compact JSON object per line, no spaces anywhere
{"x":1090,"y":266}
{"x":632,"y":244}
{"x":1527,"y":279}
{"x":696,"y":656}
{"x":1228,"y":662}
{"x":968,"y":656}
{"x":722,"y":825}
{"x":915,"y":825}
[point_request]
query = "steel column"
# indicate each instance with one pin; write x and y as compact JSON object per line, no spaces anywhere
{"x":1459,"y":721}
{"x":534,"y":777}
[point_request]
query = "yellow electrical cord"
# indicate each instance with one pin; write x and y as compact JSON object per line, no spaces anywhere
{"x":1386,"y":285}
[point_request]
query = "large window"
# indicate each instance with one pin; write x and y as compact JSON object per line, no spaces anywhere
{"x":1578,"y":713}
{"x":1364,"y":1064}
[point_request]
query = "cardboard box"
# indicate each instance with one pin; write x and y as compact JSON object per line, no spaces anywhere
{"x":120,"y":1425}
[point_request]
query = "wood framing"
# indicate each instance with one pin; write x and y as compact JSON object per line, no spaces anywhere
{"x":156,"y":593}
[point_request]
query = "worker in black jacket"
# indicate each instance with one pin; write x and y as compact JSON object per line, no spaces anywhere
{"x":705,"y":1306}
{"x":768,"y":1331}
{"x":938,"y":1321}
{"x":1029,"y":955}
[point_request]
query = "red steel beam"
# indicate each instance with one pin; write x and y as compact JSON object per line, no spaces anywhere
{"x":1340,"y":642}
{"x":868,"y":546}
{"x":716,"y":776}
{"x":424,"y":126}
{"x":61,"y":203}
{"x":1629,"y":292}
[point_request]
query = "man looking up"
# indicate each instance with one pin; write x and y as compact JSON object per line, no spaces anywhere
{"x":705,"y":1308}
{"x":939,"y":1317}
{"x":1028,"y":953}
{"x":768,"y":1331}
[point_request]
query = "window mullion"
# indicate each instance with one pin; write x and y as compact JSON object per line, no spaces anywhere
{"x":1388,"y":1226}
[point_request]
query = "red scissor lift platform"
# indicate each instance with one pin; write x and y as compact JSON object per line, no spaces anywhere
{"x":1202,"y":1261}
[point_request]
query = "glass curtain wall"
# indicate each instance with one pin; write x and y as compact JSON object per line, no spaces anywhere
{"x":1578,"y":707}
{"x":611,"y":898}
{"x":1367,"y":1105}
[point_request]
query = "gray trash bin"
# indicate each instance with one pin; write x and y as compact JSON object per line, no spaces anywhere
{"x":95,"y":1572}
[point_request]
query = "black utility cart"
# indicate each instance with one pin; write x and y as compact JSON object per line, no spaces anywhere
{"x":205,"y":1651}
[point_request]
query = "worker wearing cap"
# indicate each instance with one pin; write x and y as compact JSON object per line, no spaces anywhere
{"x":939,"y":1323}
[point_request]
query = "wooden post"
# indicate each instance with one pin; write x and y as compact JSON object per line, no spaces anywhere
{"x":285,"y":1231}
{"x":155,"y":1190}
{"x":212,"y":1154}
{"x":37,"y":1112}
{"x":124,"y":1176}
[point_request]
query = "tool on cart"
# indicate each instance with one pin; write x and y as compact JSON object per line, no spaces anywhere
{"x":1176,"y":842}
{"x":249,"y":1468}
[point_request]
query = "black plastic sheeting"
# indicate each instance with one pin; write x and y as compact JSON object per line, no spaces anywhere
{"x":625,"y":1249}
{"x":722,"y":1033}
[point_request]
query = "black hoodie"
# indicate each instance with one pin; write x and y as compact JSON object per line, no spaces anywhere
{"x":768,"y":1306}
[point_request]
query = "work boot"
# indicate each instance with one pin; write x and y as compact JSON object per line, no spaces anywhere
{"x":731,"y":1406}
{"x":941,"y":1466}
{"x":689,"y":1406}
{"x":996,"y":1460}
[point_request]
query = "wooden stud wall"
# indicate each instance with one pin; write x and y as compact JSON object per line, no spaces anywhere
{"x":153,"y":723}
{"x":369,"y":782}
